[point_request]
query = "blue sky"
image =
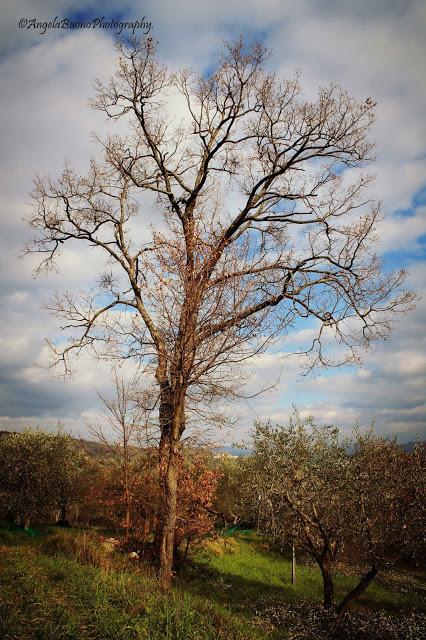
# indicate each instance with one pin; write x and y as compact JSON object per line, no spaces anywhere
{"x":375,"y":51}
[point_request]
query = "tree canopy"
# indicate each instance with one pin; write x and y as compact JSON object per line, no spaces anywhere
{"x":263,"y":217}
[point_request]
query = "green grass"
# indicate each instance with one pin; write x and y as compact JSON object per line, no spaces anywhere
{"x":62,"y":585}
{"x":55,"y":597}
{"x":250,"y":573}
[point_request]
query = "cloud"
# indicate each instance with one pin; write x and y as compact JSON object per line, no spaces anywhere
{"x":372,"y":49}
{"x":403,"y":233}
{"x":377,"y":54}
{"x":387,"y":389}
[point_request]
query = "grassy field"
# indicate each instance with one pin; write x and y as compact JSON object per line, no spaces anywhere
{"x":248,"y":569}
{"x":64,"y":586}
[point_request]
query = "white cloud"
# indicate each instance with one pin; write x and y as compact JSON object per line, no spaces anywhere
{"x":373,"y":51}
{"x":402,"y":233}
{"x":388,"y":388}
{"x":16,"y":298}
{"x":379,"y":56}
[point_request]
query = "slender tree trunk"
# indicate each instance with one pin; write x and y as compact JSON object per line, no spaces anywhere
{"x":185,"y":555}
{"x":63,"y":517}
{"x":127,"y":515}
{"x":293,"y":563}
{"x":358,"y":590}
{"x":225,"y":524}
{"x":127,"y":518}
{"x":328,"y":586}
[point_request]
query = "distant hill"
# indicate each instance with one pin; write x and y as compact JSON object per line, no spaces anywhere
{"x":234,"y":451}
{"x":237,"y":451}
{"x":92,"y":448}
{"x":97,"y":449}
{"x":409,"y":446}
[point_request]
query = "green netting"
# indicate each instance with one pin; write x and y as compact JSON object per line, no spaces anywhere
{"x":230,"y":532}
{"x":31,"y":532}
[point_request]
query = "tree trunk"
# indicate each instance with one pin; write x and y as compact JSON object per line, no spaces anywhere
{"x":171,"y":421}
{"x":358,"y":590}
{"x":327,"y":579}
{"x":163,"y":459}
{"x":185,"y":555}
{"x":168,"y":520}
{"x":293,"y":563}
{"x":63,"y":517}
{"x":127,"y":525}
{"x":127,"y":518}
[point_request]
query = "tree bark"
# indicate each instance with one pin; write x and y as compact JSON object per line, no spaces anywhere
{"x":328,"y":586}
{"x":358,"y":590}
{"x":165,"y":417}
{"x":127,"y":516}
{"x":169,"y":518}
{"x":171,"y":420}
{"x":188,"y":542}
{"x":293,"y":563}
{"x":63,"y":517}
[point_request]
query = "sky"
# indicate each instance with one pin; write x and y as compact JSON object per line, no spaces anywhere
{"x":373,"y":49}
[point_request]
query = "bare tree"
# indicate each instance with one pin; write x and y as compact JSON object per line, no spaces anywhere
{"x":257,"y":226}
{"x":121,"y":435}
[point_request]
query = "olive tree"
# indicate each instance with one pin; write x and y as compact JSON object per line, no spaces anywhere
{"x":40,"y":472}
{"x":386,"y":507}
{"x":257,"y":225}
{"x":360,"y":500}
{"x":232,"y":504}
{"x":300,"y":479}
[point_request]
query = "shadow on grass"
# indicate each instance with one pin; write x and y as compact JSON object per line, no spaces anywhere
{"x":235,"y":592}
{"x":241,"y":594}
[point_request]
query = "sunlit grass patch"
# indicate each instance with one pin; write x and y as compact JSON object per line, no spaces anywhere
{"x":49,"y":595}
{"x":251,"y":572}
{"x":66,"y":586}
